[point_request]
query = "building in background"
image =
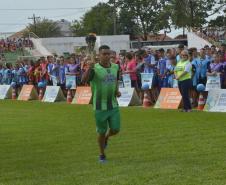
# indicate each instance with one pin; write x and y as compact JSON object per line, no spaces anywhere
{"x":65,"y":27}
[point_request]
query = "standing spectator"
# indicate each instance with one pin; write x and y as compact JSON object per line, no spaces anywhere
{"x":22,"y":75}
{"x":179,"y":50}
{"x":204,"y":63}
{"x":15,"y":74}
{"x":38,"y":72}
{"x":50,"y":64}
{"x":30,"y":73}
{"x":162,"y":78}
{"x":223,"y":62}
{"x":149,"y":62}
{"x":131,"y":69}
{"x":209,"y":54}
{"x":223,"y":50}
{"x":213,"y":49}
{"x":44,"y":72}
{"x":170,"y":71}
{"x":73,"y":69}
{"x":62,"y":70}
{"x":183,"y":75}
{"x":215,"y":67}
{"x":7,"y":74}
{"x":1,"y":74}
{"x":196,"y":63}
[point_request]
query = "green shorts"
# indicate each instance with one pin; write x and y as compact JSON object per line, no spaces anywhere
{"x":107,"y":118}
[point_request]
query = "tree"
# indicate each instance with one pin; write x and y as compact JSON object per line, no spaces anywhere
{"x":45,"y":28}
{"x":127,"y":24}
{"x":193,"y":13}
{"x":220,"y":21}
{"x":98,"y":20}
{"x":146,"y":13}
{"x":77,"y":28}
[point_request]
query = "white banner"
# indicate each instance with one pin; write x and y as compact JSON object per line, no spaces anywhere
{"x":126,"y":80}
{"x":128,"y":97}
{"x":5,"y":92}
{"x":54,"y":80}
{"x":71,"y":79}
{"x":147,"y":78}
{"x":52,"y":94}
{"x":216,"y":101}
{"x":213,"y":82}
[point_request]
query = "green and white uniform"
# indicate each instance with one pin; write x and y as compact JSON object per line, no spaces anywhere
{"x":103,"y":83}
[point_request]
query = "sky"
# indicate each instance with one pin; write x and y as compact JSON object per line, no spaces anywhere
{"x":13,"y":20}
{"x":14,"y":14}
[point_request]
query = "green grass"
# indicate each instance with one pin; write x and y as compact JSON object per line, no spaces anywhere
{"x":55,"y":144}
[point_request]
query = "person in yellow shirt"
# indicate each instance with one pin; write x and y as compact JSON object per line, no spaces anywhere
{"x":183,"y":75}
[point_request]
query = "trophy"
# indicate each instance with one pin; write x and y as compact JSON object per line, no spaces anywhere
{"x":91,"y":40}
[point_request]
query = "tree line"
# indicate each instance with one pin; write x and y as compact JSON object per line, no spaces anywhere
{"x":140,"y":17}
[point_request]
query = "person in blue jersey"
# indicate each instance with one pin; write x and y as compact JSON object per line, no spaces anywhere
{"x":62,"y":70}
{"x":170,"y":71}
{"x":7,"y":74}
{"x":209,"y":54}
{"x":22,"y":75}
{"x":204,"y":63}
{"x":150,"y":66}
{"x":161,"y":68}
{"x":15,"y":74}
{"x":54,"y":72}
{"x":149,"y":62}
{"x":26,"y":66}
{"x":1,"y":74}
{"x":192,"y":57}
{"x":196,"y":63}
{"x":196,"y":67}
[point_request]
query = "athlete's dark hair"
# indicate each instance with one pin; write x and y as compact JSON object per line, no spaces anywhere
{"x":103,"y":47}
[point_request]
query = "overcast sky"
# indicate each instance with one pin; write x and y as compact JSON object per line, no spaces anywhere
{"x":14,"y":14}
{"x":13,"y":20}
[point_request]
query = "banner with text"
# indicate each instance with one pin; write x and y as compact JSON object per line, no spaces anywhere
{"x":82,"y":96}
{"x":54,"y":80}
{"x":128,"y":97}
{"x":147,"y":78}
{"x":216,"y":101}
{"x":169,"y":98}
{"x":5,"y":92}
{"x":71,"y":79}
{"x":213,"y":82}
{"x":53,"y":94}
{"x":28,"y":92}
{"x":126,"y":80}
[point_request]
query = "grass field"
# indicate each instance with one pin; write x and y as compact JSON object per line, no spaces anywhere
{"x":55,"y":144}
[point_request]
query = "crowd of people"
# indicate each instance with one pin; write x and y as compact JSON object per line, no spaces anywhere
{"x":13,"y":45}
{"x":213,"y":34}
{"x":162,"y":63}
